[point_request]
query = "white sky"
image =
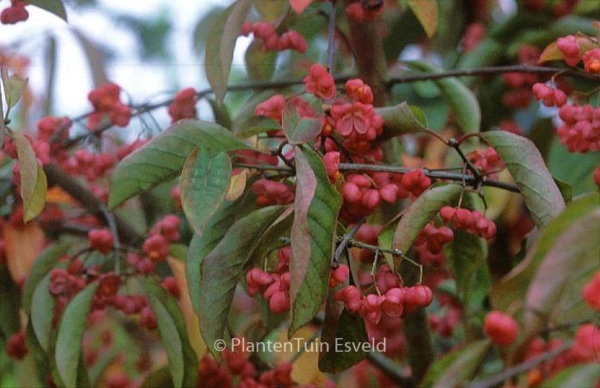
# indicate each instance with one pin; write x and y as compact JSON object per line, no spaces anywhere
{"x":140,"y":79}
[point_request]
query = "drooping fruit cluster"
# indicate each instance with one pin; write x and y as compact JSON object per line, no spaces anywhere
{"x":107,"y":105}
{"x":15,"y":13}
{"x":265,"y":32}
{"x":471,"y":221}
{"x":272,"y":193}
{"x":183,"y":105}
{"x":486,"y":161}
{"x":238,"y":371}
{"x":363,"y":193}
{"x":273,"y":286}
{"x":549,"y":96}
{"x":501,"y":328}
{"x":519,"y":84}
{"x":392,"y":298}
{"x":430,"y":243}
{"x":580,"y":130}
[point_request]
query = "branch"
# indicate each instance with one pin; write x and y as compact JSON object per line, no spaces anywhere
{"x":523,"y":367}
{"x":490,"y":70}
{"x":56,"y":176}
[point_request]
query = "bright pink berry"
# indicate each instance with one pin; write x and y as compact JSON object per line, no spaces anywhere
{"x":273,"y":108}
{"x":16,"y":346}
{"x":156,"y":247}
{"x":339,"y":275}
{"x":591,"y":292}
{"x":357,"y":90}
{"x":569,"y":46}
{"x":101,"y":240}
{"x":183,"y":105}
{"x":501,"y":328}
{"x":319,"y":82}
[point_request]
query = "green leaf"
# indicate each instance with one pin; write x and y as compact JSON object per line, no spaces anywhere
{"x":461,"y":99}
{"x":10,"y":320}
{"x":401,"y":119}
{"x":574,"y":376}
{"x":341,"y":330}
{"x":257,"y":125}
{"x":270,"y":10}
{"x":204,"y":184}
{"x":221,"y":44}
{"x":573,"y":254}
{"x":159,"y":378}
{"x":55,"y":7}
{"x":163,"y":158}
{"x":456,"y":368}
{"x":221,"y":113}
{"x":298,"y":129}
{"x":421,"y":212}
{"x":466,"y":258}
{"x":566,"y":191}
{"x":260,"y":63}
{"x":313,"y":232}
{"x":514,"y":285}
{"x":13,"y":87}
{"x":33,"y":178}
{"x":70,"y":335}
{"x":526,"y":165}
{"x":42,"y":311}
{"x":183,"y":361}
{"x":178,"y":251}
{"x":200,"y":246}
{"x":575,"y":168}
{"x":426,"y":12}
{"x":222,"y":268}
{"x":44,"y":263}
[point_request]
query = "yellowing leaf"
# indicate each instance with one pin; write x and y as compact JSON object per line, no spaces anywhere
{"x":426,"y":12}
{"x":33,"y":178}
{"x":23,"y":244}
{"x":192,"y":323}
{"x":237,"y":186}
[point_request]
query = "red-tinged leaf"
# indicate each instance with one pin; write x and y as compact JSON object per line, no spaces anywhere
{"x":221,"y":44}
{"x":300,"y":5}
{"x":401,"y":119}
{"x":23,"y":244}
{"x":183,"y":362}
{"x":163,"y":158}
{"x":456,"y":368}
{"x":204,"y":183}
{"x":33,"y":178}
{"x":43,"y":264}
{"x":70,"y":335}
{"x":426,"y":12}
{"x":313,"y":233}
{"x":552,"y":53}
{"x":299,"y":130}
{"x":515,"y":284}
{"x":222,"y":268}
{"x":421,"y":212}
{"x":55,"y":7}
{"x":573,"y":255}
{"x":526,"y":165}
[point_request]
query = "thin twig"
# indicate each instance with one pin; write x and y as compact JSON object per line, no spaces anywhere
{"x":331,"y":38}
{"x":521,"y":368}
